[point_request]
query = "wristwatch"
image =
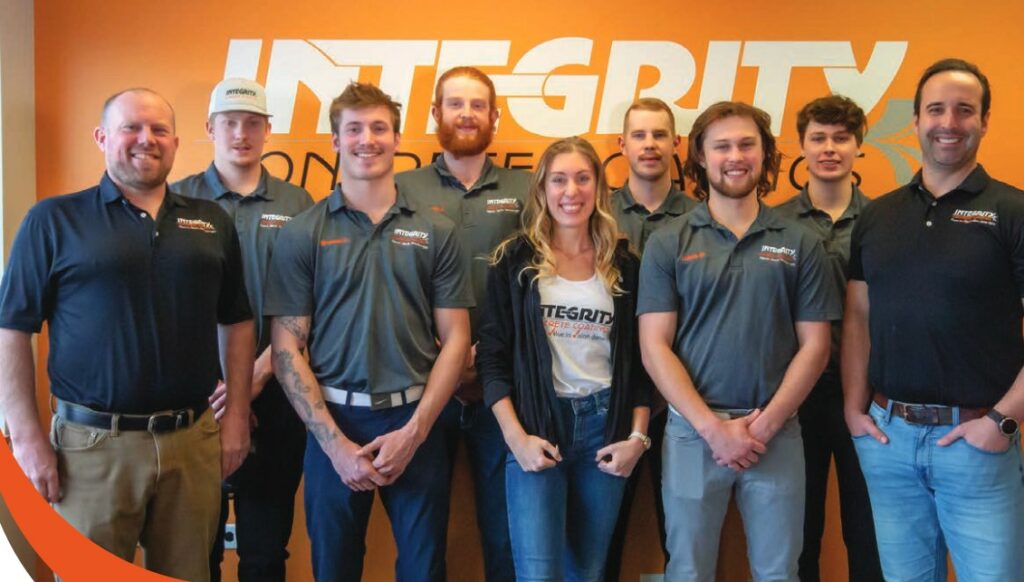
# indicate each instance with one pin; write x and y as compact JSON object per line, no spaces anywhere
{"x":644,"y":439}
{"x":1009,"y":427}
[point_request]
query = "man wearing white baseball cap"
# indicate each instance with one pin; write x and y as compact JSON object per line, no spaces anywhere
{"x":260,"y":204}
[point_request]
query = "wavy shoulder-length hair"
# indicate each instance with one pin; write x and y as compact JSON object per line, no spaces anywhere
{"x":538,"y":226}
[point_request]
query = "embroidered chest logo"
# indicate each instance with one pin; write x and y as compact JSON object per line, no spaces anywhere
{"x":437,"y":208}
{"x":330,"y":242}
{"x":777,"y":254}
{"x":495,"y":205}
{"x":196,"y":224}
{"x":975,"y":217}
{"x":693,"y":257}
{"x":274,"y":220}
{"x":415,"y":238}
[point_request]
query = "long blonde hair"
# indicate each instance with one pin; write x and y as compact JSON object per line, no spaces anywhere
{"x":537,"y":224}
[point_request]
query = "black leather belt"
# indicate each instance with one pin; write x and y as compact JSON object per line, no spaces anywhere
{"x":166,"y":421}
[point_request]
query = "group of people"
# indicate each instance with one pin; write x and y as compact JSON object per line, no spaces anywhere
{"x":226,"y":335}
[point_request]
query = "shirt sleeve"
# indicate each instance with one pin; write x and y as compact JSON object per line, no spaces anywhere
{"x":657,"y":292}
{"x":450,"y":283}
{"x":233,"y":303}
{"x":818,"y":297}
{"x":1016,"y":240}
{"x":26,"y":293}
{"x":289,"y":286}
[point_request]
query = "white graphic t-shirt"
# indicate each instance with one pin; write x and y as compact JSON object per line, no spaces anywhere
{"x":578,"y":319}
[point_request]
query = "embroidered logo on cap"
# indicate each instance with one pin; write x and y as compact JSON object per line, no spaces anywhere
{"x":975,"y":217}
{"x":196,"y":224}
{"x":495,"y":205}
{"x":416,"y":238}
{"x":777,"y":254}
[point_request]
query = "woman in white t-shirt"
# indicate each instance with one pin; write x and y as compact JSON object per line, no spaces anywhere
{"x":559,"y":361}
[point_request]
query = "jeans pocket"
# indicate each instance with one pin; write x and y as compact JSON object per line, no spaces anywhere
{"x":982,"y":451}
{"x":69,"y":438}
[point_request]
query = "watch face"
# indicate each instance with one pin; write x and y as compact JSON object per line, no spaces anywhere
{"x":1009,"y":426}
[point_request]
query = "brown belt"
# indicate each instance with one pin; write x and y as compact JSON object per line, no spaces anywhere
{"x":927,"y":414}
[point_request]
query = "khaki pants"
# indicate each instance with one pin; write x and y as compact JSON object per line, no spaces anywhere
{"x":160,"y":491}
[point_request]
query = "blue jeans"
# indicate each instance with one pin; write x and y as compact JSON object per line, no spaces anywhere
{"x":769,"y":496}
{"x":416,"y":503}
{"x":928,"y":498}
{"x":561,"y":519}
{"x":475,"y":424}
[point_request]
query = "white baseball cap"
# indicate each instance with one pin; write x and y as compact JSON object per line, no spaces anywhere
{"x":237,"y":94}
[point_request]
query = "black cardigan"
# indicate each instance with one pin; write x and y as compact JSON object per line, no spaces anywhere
{"x":513,"y":357}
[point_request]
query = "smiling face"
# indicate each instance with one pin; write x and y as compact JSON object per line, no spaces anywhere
{"x":829,"y":150}
{"x":648,"y":143}
{"x":950,"y":124}
{"x":570,"y":189}
{"x":465,"y":117}
{"x":366,"y":143}
{"x":138,"y":141}
{"x":238,"y":137}
{"x":733,"y":156}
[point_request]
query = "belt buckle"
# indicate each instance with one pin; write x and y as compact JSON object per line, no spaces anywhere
{"x":919,"y":414}
{"x":380,"y":401}
{"x":154,"y":419}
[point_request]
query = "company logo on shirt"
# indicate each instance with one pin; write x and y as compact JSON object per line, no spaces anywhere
{"x":196,"y":224}
{"x":437,"y":208}
{"x":334,"y":241}
{"x":274,"y":220}
{"x":693,"y":257}
{"x":777,"y":254}
{"x":975,"y":217}
{"x":570,"y":321}
{"x":495,"y":205}
{"x":416,"y":238}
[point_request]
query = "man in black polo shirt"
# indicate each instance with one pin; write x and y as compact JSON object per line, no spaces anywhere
{"x":645,"y":203}
{"x":831,"y":130}
{"x":375,"y":288}
{"x":134,"y":282}
{"x":260,"y":205}
{"x":734,"y":308}
{"x":484,"y":201}
{"x":932,"y":350}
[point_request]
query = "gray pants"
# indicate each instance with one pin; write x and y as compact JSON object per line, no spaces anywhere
{"x":769,"y":495}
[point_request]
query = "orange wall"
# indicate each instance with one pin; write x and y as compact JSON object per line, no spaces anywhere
{"x":87,"y":49}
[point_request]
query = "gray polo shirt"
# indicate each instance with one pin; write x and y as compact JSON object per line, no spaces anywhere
{"x":370,"y":290}
{"x":637,"y":223}
{"x":835,"y":236}
{"x":737,"y":300}
{"x":484,"y":215}
{"x":258,"y":219}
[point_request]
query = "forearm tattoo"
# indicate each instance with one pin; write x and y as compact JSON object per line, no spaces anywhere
{"x":296,"y":327}
{"x":302,"y":396}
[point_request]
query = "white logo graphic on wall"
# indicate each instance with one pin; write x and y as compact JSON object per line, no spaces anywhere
{"x":531,"y":85}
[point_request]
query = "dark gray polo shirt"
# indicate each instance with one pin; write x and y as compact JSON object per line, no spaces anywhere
{"x":369,"y":289}
{"x":637,"y":223}
{"x":736,"y":300}
{"x":132,"y":303}
{"x":945,"y":279}
{"x":835,"y":236}
{"x":484,"y":215}
{"x":258,"y":219}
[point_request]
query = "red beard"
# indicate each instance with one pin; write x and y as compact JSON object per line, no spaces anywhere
{"x":460,"y":146}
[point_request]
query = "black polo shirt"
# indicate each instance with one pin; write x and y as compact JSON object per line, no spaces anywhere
{"x":945,"y":278}
{"x":132,"y":303}
{"x":258,"y":219}
{"x":736,"y":300}
{"x":637,"y":223}
{"x":370,"y":290}
{"x":484,"y":215}
{"x":835,"y":236}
